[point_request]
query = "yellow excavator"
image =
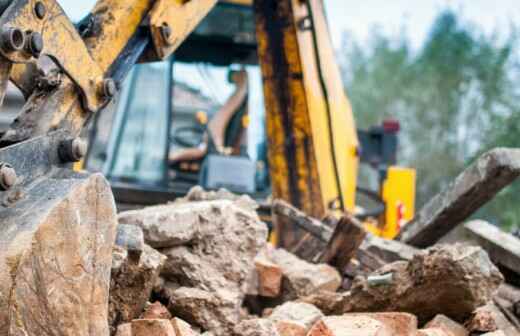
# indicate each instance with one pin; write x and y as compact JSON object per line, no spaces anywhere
{"x":119,"y":77}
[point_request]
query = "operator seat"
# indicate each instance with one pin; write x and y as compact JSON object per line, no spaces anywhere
{"x":217,"y":138}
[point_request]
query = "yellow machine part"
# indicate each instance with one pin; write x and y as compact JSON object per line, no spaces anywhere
{"x":398,"y":193}
{"x":311,"y":131}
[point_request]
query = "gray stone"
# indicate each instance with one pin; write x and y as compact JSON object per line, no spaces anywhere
{"x":301,"y":278}
{"x":131,"y":238}
{"x":256,"y":327}
{"x":300,"y":312}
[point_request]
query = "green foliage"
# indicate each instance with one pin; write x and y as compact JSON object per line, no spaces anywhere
{"x":455,"y":96}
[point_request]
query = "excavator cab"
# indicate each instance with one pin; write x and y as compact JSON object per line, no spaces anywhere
{"x":184,"y":121}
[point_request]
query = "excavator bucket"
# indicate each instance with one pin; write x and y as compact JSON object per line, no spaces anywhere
{"x":56,"y":238}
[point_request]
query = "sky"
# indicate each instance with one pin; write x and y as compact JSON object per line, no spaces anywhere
{"x":358,"y":17}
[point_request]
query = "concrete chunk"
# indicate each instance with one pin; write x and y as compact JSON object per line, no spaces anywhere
{"x":450,"y":327}
{"x":124,"y":329}
{"x":156,"y":311}
{"x":155,"y":327}
{"x":489,"y":318}
{"x":256,"y":327}
{"x":503,"y":248}
{"x":467,"y":193}
{"x":304,"y":314}
{"x":349,"y":326}
{"x":301,"y":278}
{"x":400,"y":324}
{"x":182,"y":328}
{"x":431,"y":332}
{"x":452,"y":280}
{"x":210,"y":258}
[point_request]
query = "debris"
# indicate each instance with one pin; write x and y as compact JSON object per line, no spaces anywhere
{"x":269,"y":277}
{"x":431,"y":332}
{"x":301,"y":313}
{"x":503,"y":248}
{"x":296,"y":228}
{"x":398,"y":323}
{"x":198,"y":194}
{"x":347,"y":325}
{"x":290,"y":328}
{"x":55,"y":258}
{"x":157,"y":327}
{"x":182,"y":328}
{"x":130,"y":238}
{"x":301,"y":278}
{"x":132,"y":283}
{"x":256,"y":327}
{"x":348,"y":236}
{"x":489,"y":318}
{"x":163,"y":227}
{"x":447,"y":325}
{"x":156,"y":311}
{"x":495,"y":333}
{"x":124,"y":329}
{"x":471,"y":189}
{"x":388,"y":250}
{"x":451,"y":280}
{"x":210,"y":248}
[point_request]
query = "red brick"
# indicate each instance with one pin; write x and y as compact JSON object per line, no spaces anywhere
{"x":269,"y":277}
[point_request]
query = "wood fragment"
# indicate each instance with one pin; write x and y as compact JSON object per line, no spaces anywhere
{"x":348,"y":236}
{"x":474,"y":187}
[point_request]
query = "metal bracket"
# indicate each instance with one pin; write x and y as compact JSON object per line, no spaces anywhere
{"x":171,"y":21}
{"x":34,"y":27}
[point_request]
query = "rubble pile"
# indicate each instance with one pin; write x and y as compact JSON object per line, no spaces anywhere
{"x":202,"y":266}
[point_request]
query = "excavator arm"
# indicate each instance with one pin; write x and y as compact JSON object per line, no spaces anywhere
{"x":68,"y":74}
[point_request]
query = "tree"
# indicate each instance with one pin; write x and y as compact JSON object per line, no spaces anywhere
{"x":453,"y":96}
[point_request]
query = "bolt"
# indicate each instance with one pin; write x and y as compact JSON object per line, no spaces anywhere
{"x":35,"y":46}
{"x":380,"y":280}
{"x":12,"y":39}
{"x":109,"y":88}
{"x":166,"y":32}
{"x":72,"y":150}
{"x":40,"y":10}
{"x":7,"y":176}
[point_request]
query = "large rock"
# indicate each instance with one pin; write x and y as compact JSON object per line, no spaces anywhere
{"x":301,"y":278}
{"x":56,"y":243}
{"x":453,"y":280}
{"x":210,"y":248}
{"x":132,"y":283}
